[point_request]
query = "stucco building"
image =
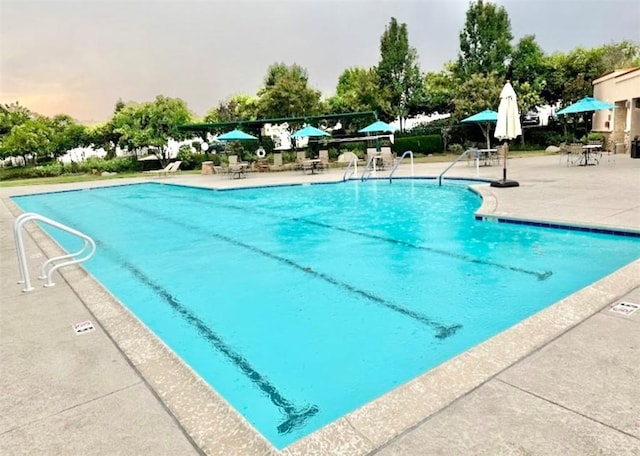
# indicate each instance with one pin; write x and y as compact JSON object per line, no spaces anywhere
{"x":620,"y":125}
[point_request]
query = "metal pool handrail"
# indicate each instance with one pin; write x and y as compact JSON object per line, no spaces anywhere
{"x":406,"y":152}
{"x":47,"y":273}
{"x":466,"y":152}
{"x":369,"y":168}
{"x":354,"y":162}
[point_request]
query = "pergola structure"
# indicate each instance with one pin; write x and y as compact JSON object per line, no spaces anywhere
{"x":258,"y":123}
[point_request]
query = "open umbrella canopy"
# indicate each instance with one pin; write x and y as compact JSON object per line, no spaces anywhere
{"x":378,"y":127}
{"x":585,"y":105}
{"x":235,"y":135}
{"x":309,"y":131}
{"x":508,"y":123}
{"x":485,"y":116}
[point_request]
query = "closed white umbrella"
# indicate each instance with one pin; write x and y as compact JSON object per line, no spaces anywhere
{"x":507,"y":127}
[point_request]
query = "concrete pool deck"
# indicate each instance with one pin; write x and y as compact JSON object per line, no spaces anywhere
{"x":564,"y":381}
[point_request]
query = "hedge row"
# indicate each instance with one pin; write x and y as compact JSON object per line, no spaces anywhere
{"x":424,"y":144}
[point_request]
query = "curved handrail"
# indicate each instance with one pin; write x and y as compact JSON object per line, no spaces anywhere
{"x":354,"y":162}
{"x":369,"y":168}
{"x":47,"y":274}
{"x":466,"y":152}
{"x":406,"y":152}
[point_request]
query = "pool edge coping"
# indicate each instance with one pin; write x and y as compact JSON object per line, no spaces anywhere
{"x":367,"y":428}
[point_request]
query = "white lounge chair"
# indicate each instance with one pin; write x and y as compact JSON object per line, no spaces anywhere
{"x":159,"y":172}
{"x":176,"y":167}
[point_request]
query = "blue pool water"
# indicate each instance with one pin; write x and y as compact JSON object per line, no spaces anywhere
{"x":299,"y":304}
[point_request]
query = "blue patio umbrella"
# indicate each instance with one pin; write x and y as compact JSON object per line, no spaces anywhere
{"x":309,"y":131}
{"x":236,"y":135}
{"x":485,"y":118}
{"x":378,"y":127}
{"x":585,"y":105}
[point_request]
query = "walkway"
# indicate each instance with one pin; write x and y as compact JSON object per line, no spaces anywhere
{"x":562,"y":382}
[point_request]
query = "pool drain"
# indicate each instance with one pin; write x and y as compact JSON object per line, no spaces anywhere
{"x":625,"y":308}
{"x":83,"y":327}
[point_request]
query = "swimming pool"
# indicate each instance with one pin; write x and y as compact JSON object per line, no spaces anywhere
{"x":300,"y":304}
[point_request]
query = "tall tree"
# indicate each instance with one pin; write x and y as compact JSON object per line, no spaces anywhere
{"x":527,"y":73}
{"x":485,"y":40}
{"x":398,"y":71}
{"x":358,"y":89}
{"x":239,"y":107}
{"x":286,"y":93}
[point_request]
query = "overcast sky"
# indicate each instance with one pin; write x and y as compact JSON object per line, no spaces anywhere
{"x":80,"y":57}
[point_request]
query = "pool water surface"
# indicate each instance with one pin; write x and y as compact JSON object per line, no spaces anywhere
{"x":299,"y":304}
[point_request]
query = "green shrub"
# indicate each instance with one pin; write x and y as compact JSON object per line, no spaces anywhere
{"x":28,"y":172}
{"x":456,"y":148}
{"x":425,"y":144}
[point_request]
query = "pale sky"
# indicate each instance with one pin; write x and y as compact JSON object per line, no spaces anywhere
{"x":80,"y":57}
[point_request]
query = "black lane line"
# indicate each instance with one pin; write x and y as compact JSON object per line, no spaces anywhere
{"x":539,"y":275}
{"x":441,"y":331}
{"x":295,"y":415}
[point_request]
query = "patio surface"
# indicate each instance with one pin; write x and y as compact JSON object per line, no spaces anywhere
{"x":564,"y":381}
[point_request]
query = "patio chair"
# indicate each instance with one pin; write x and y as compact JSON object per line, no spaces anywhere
{"x":263,"y":165}
{"x":570,"y":152}
{"x":323,"y":155}
{"x":387,"y":157}
{"x":301,"y":156}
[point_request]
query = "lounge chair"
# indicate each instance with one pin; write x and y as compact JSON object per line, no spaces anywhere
{"x":164,"y":171}
{"x":176,"y":168}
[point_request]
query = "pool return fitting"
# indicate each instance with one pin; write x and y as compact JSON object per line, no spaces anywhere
{"x":49,"y":266}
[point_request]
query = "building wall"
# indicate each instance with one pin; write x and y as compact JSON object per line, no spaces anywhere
{"x":622,"y":124}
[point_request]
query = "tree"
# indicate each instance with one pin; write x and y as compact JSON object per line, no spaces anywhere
{"x":398,"y":72}
{"x":151,"y":125}
{"x":358,"y":89}
{"x":11,"y":115}
{"x":32,"y":138}
{"x":439,"y":91}
{"x":239,"y":107}
{"x":66,"y":134}
{"x":286,"y":93}
{"x":477,"y":93}
{"x":528,"y":62}
{"x":570,"y":76}
{"x":485,"y":41}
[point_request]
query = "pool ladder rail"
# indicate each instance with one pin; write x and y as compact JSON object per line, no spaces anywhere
{"x":49,"y":266}
{"x":398,"y":161}
{"x":463,"y":154}
{"x":370,"y":168}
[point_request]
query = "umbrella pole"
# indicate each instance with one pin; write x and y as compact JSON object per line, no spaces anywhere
{"x":504,"y":160}
{"x":504,"y":182}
